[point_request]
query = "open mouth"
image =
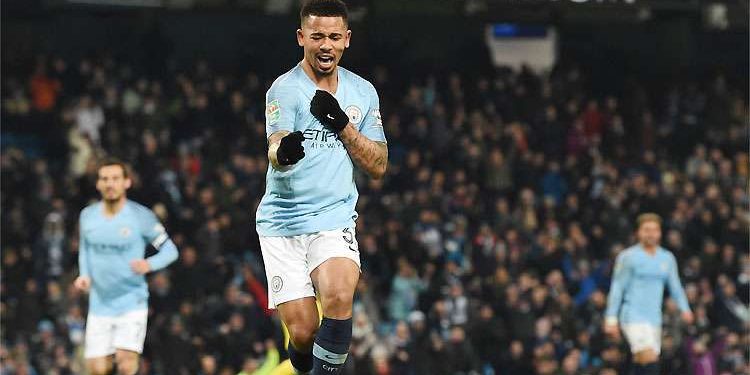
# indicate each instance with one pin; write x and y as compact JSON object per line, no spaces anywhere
{"x":325,"y":61}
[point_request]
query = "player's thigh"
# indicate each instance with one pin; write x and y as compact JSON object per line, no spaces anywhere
{"x":300,"y":316}
{"x":644,"y":341}
{"x":645,"y":356}
{"x":99,"y":365}
{"x":130,"y":331}
{"x":99,"y":339}
{"x":285,"y":260}
{"x":127,"y":361}
{"x":334,"y":260}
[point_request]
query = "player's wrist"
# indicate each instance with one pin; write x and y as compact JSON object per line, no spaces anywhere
{"x":289,"y":150}
{"x":610,"y":321}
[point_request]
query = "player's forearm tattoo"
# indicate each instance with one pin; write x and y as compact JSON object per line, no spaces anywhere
{"x":367,"y":154}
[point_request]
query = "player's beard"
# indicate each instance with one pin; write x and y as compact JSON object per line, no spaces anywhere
{"x":318,"y":69}
{"x":320,"y":72}
{"x":651,"y":242}
{"x":112,"y":199}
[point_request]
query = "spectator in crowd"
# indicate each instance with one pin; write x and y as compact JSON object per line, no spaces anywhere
{"x":489,"y":253}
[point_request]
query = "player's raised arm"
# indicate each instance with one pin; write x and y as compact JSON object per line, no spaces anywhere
{"x":285,"y":148}
{"x":368,"y":154}
{"x":284,"y":144}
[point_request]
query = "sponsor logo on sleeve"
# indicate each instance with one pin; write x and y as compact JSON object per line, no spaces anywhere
{"x":273,"y":112}
{"x":376,"y":114}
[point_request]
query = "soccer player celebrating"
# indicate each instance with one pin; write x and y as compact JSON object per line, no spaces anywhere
{"x":114,"y":233}
{"x":321,"y":121}
{"x":636,"y":293}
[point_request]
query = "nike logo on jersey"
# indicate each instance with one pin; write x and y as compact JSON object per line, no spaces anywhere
{"x":329,"y":116}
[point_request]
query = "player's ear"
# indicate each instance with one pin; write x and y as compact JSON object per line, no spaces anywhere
{"x":128,"y":183}
{"x":348,"y":37}
{"x":300,"y":38}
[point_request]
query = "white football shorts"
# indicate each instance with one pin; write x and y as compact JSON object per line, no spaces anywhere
{"x":642,"y":336}
{"x":289,"y":260}
{"x":106,"y":334}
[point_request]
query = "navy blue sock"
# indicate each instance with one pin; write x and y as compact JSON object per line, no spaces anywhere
{"x":301,"y":362}
{"x":649,"y":369}
{"x":331,"y":346}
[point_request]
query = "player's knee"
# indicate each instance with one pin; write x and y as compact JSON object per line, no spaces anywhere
{"x":645,"y":357}
{"x":302,"y":335}
{"x":650,"y":356}
{"x":127,"y":366}
{"x":337,"y":303}
{"x":98,"y":367}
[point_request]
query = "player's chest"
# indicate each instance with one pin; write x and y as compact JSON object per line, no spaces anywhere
{"x":652,"y":269}
{"x":354,"y":104}
{"x":111,"y":236}
{"x":320,"y":138}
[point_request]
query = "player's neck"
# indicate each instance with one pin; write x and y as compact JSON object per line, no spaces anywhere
{"x":111,"y":208}
{"x":329,"y":82}
{"x":651,"y":250}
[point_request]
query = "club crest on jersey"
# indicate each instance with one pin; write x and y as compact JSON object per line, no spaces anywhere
{"x":124,"y":232}
{"x":273,"y":112}
{"x":664,"y":267}
{"x":354,"y":113}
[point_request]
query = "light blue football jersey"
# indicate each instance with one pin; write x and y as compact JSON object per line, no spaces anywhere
{"x":318,"y":193}
{"x":107,"y":245}
{"x":637,"y":289}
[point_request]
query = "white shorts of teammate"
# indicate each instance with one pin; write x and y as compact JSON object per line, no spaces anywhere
{"x":289,"y":260}
{"x":106,"y":334}
{"x":642,"y":336}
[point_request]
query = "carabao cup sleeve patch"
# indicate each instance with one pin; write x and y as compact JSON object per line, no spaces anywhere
{"x":273,"y":112}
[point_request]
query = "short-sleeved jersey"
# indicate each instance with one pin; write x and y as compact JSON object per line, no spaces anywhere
{"x":638,"y":282}
{"x":107,"y":246}
{"x":318,"y":193}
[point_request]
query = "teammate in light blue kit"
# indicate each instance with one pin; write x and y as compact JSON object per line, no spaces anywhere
{"x":321,"y":121}
{"x":114,"y":233}
{"x":636,"y":294}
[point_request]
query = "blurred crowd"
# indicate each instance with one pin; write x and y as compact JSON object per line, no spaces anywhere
{"x":486,"y":249}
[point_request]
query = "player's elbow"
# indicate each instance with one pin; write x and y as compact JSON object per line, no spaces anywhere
{"x":172,"y":253}
{"x":378,"y":171}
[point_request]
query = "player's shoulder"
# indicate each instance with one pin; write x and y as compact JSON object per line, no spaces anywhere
{"x":138,"y":208}
{"x":628,"y":253}
{"x":664,"y":252}
{"x":363,"y":84}
{"x":288,"y":80}
{"x":90,"y":210}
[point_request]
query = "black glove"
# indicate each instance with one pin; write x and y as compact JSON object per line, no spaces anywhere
{"x":290,"y":149}
{"x":326,"y":109}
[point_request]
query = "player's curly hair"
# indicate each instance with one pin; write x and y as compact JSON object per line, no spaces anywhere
{"x":648,"y":217}
{"x":325,"y":8}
